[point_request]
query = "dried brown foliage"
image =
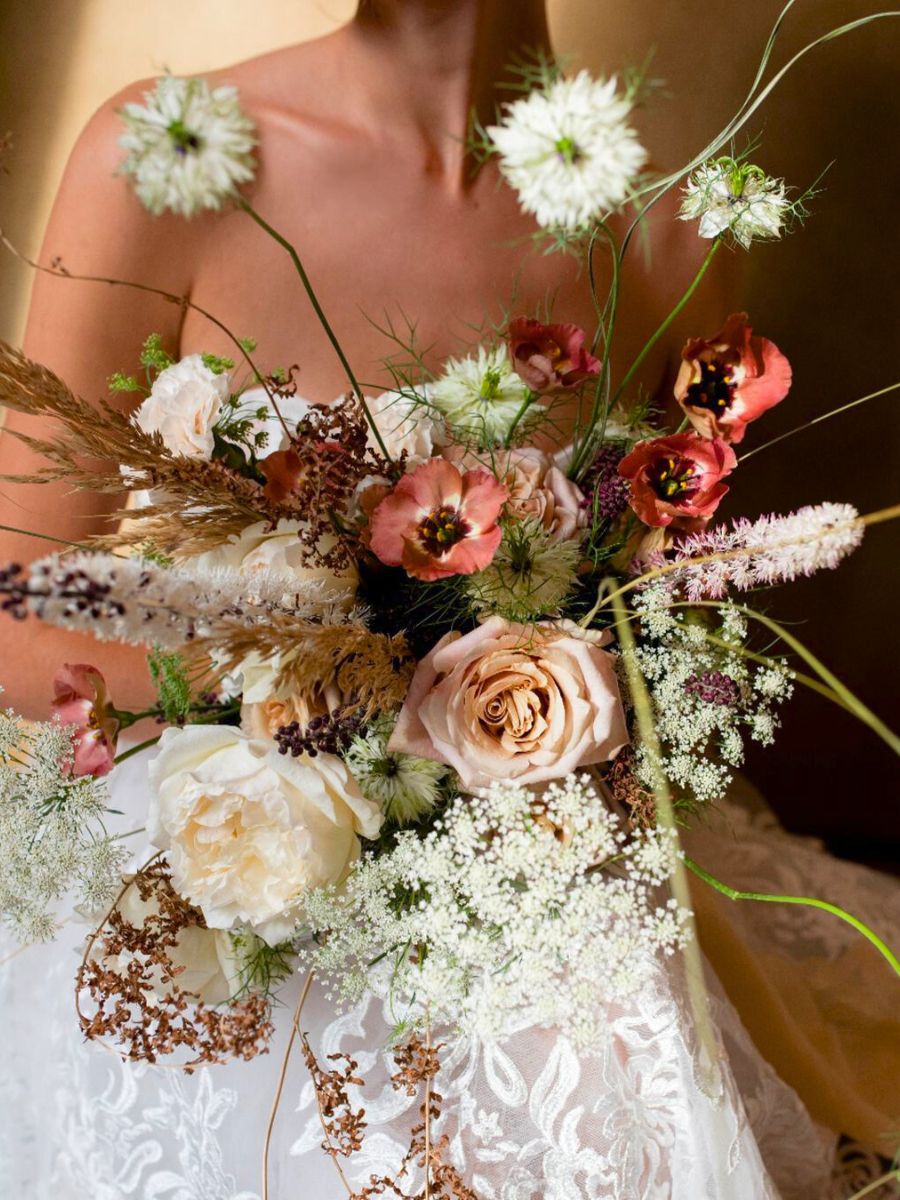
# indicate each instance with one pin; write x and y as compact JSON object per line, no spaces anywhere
{"x":371,"y":669}
{"x":138,"y":1004}
{"x":417,"y":1063}
{"x":201,"y":503}
{"x":319,"y":473}
{"x":628,"y":791}
{"x":342,"y":1124}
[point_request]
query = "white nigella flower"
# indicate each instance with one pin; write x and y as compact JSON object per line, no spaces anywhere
{"x":482,"y":396}
{"x":737,"y":198}
{"x":569,"y":151}
{"x":188,"y":145}
{"x":404,"y":787}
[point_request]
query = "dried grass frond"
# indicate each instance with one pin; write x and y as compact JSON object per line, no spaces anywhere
{"x":199,"y":504}
{"x":372,"y":669}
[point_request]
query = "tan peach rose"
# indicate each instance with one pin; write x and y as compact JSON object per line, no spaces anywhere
{"x":514,"y":702}
{"x":538,"y":489}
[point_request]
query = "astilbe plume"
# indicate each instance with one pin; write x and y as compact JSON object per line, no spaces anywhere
{"x":132,"y":982}
{"x":770,"y":550}
{"x":143,"y":603}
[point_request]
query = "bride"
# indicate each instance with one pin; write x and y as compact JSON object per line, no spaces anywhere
{"x":362,"y":167}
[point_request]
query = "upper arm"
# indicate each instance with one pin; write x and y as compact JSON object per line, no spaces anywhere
{"x":82,"y":330}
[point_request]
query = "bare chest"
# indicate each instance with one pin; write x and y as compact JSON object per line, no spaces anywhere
{"x":395,"y":258}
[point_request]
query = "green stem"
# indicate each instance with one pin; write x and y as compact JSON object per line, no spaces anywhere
{"x":808,"y":901}
{"x":526,"y":404}
{"x":815,"y":421}
{"x":695,"y":283}
{"x":323,"y":320}
{"x":892,"y":1176}
{"x":130,"y":753}
{"x":44,"y":537}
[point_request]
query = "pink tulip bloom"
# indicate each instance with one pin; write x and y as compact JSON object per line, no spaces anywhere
{"x":549,"y":358}
{"x":677,"y":478}
{"x":730,"y":380}
{"x":439,"y":521}
{"x":81,"y":700}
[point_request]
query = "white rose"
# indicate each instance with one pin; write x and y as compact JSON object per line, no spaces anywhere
{"x":406,"y":425}
{"x":247,"y":830}
{"x":259,"y":548}
{"x":292,"y":408}
{"x":184,"y":405}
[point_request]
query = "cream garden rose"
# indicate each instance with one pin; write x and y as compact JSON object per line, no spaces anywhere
{"x":246,"y":831}
{"x":184,"y":404}
{"x":515,"y":703}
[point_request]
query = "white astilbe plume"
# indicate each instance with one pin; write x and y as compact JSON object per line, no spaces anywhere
{"x":143,"y":603}
{"x":52,"y":835}
{"x":504,"y":914}
{"x":568,"y":150}
{"x":189,"y":146}
{"x":767,"y":551}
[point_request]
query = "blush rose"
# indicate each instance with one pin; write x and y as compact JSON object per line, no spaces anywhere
{"x":513,"y":702}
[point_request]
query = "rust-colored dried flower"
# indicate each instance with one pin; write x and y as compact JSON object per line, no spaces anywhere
{"x":129,"y":974}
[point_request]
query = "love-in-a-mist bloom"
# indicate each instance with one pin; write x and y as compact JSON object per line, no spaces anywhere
{"x":677,"y":478}
{"x":189,"y":146}
{"x":729,"y":380}
{"x":550,"y":358}
{"x":568,"y":150}
{"x":439,"y":521}
{"x":482,"y":398}
{"x":81,"y":700}
{"x":736,"y":198}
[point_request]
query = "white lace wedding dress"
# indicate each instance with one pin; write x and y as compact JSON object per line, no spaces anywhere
{"x":527,"y":1119}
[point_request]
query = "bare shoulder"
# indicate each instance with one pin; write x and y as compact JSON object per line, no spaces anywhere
{"x":99,"y":225}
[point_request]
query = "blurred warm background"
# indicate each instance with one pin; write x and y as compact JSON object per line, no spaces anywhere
{"x":828,"y":296}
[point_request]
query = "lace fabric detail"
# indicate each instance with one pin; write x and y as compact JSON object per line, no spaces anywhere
{"x":528,"y":1118}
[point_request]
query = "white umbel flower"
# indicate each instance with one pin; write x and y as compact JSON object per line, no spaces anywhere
{"x":189,"y":146}
{"x":482,"y":396}
{"x":736,"y":198}
{"x":568,"y":150}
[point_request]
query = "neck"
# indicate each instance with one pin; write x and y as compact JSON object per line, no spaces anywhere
{"x":432,"y":62}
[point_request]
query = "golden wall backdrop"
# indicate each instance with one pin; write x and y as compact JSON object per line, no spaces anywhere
{"x":828,"y":295}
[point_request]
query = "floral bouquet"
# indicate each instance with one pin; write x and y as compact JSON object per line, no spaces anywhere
{"x":440,"y":688}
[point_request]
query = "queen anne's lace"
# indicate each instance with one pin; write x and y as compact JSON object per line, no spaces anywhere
{"x":508,"y":891}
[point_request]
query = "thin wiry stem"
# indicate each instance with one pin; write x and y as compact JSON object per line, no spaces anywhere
{"x":183,"y":302}
{"x":654,"y":338}
{"x":693,"y":962}
{"x":834,"y":412}
{"x":295,"y":1029}
{"x":809,"y":901}
{"x":753,"y":101}
{"x":320,"y":313}
{"x":891,"y":1177}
